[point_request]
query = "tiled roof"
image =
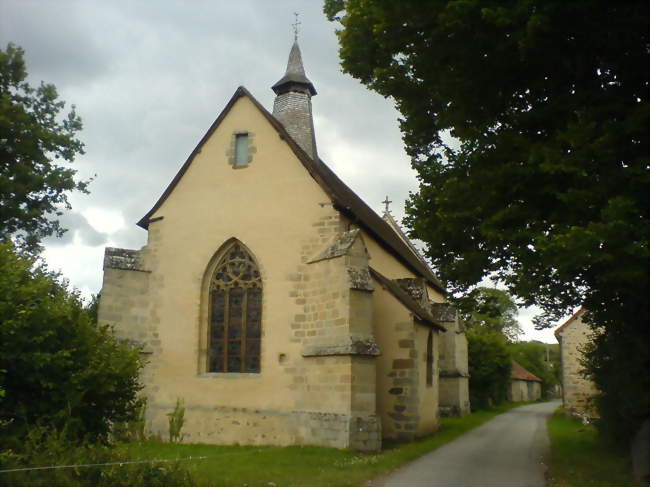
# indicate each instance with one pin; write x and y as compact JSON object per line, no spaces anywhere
{"x":343,"y":198}
{"x":405,"y":298}
{"x":519,"y":373}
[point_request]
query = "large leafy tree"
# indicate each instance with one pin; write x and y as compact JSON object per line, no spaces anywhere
{"x":490,"y":322}
{"x":57,"y":367}
{"x":545,"y":185}
{"x":489,"y":368}
{"x":35,"y":139}
{"x":490,"y":309}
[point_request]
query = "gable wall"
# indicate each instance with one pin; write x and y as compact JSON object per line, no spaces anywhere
{"x":576,"y":389}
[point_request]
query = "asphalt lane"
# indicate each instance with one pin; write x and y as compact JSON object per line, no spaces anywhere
{"x":507,"y":451}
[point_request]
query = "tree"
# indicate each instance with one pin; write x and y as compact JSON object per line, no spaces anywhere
{"x":57,"y":366}
{"x":490,"y":309}
{"x":489,"y":368}
{"x":34,"y":138}
{"x":546,"y":185}
{"x":490,"y":320}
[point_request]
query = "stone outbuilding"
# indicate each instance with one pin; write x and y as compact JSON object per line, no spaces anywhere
{"x":524,"y":385}
{"x":577,"y":390}
{"x":275,"y":303}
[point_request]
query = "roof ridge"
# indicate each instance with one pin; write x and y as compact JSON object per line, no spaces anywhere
{"x":405,"y":298}
{"x":519,"y":372}
{"x":570,"y":320}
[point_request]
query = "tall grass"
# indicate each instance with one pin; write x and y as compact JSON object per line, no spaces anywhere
{"x":579,"y":459}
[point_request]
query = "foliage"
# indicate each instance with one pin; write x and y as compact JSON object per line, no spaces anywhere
{"x":47,"y":447}
{"x":176,"y":422}
{"x":35,"y":138}
{"x":579,"y":459}
{"x":533,"y":357}
{"x":489,"y":368}
{"x":235,"y":466}
{"x":133,"y":430}
{"x":60,"y":368}
{"x":618,"y":362}
{"x":546,"y":184}
{"x":490,"y":309}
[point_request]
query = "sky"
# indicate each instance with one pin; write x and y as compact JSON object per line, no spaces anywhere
{"x":148,"y":78}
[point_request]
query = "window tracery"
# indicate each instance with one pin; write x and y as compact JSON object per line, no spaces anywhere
{"x":235,"y":329}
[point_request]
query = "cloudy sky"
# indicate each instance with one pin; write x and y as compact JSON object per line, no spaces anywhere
{"x":149,"y":77}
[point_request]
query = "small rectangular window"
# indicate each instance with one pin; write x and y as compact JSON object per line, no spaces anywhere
{"x":241,"y":150}
{"x":430,"y":359}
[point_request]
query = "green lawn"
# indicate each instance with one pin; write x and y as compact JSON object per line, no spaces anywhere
{"x":578,"y":459}
{"x":302,"y":466}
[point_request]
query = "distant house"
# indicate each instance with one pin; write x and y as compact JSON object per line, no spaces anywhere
{"x":524,"y":385}
{"x":573,"y":335}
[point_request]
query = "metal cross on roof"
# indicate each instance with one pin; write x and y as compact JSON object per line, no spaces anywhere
{"x":387,"y":202}
{"x":295,"y":26}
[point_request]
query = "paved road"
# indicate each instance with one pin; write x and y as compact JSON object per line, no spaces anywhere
{"x":507,"y":451}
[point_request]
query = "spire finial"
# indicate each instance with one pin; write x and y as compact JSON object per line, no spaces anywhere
{"x":387,"y":202}
{"x":295,"y":26}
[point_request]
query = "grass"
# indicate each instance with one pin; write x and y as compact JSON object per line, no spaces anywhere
{"x":303,"y":466}
{"x":579,"y":459}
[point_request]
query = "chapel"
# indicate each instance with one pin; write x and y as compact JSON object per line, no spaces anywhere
{"x":308,"y":320}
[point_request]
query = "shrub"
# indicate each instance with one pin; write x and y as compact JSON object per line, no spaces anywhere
{"x":176,"y":422}
{"x":49,"y":447}
{"x":57,"y":367}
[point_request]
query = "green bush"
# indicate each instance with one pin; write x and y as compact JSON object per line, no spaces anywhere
{"x":57,"y":367}
{"x":49,"y":447}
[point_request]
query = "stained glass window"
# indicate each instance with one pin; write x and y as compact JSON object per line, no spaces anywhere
{"x":235,"y":313}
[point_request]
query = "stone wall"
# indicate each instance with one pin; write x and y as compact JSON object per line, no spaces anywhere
{"x":454,"y":369}
{"x":576,"y":389}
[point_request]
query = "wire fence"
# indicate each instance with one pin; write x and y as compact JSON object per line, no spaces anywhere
{"x":122,"y":463}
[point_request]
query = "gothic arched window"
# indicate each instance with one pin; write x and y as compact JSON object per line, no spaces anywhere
{"x":235,"y":316}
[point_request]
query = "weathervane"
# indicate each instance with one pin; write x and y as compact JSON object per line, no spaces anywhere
{"x":387,"y":202}
{"x":295,"y":26}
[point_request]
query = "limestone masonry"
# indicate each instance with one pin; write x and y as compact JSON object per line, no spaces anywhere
{"x":573,"y":335}
{"x":275,"y":303}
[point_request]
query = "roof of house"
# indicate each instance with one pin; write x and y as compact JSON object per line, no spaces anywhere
{"x":343,"y":198}
{"x":519,"y":373}
{"x":573,"y":317}
{"x":405,"y":298}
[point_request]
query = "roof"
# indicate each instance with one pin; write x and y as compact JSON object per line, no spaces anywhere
{"x":573,"y":317}
{"x":388,"y":218}
{"x":396,"y":290}
{"x":343,"y":198}
{"x":295,"y":73}
{"x":519,"y":373}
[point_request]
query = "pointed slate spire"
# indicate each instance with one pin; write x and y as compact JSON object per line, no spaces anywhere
{"x":292,"y":106}
{"x":295,"y":74}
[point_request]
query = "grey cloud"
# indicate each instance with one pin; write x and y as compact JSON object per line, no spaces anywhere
{"x":77,"y":225}
{"x":149,"y":78}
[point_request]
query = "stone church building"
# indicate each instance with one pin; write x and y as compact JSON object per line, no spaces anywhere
{"x":275,"y":303}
